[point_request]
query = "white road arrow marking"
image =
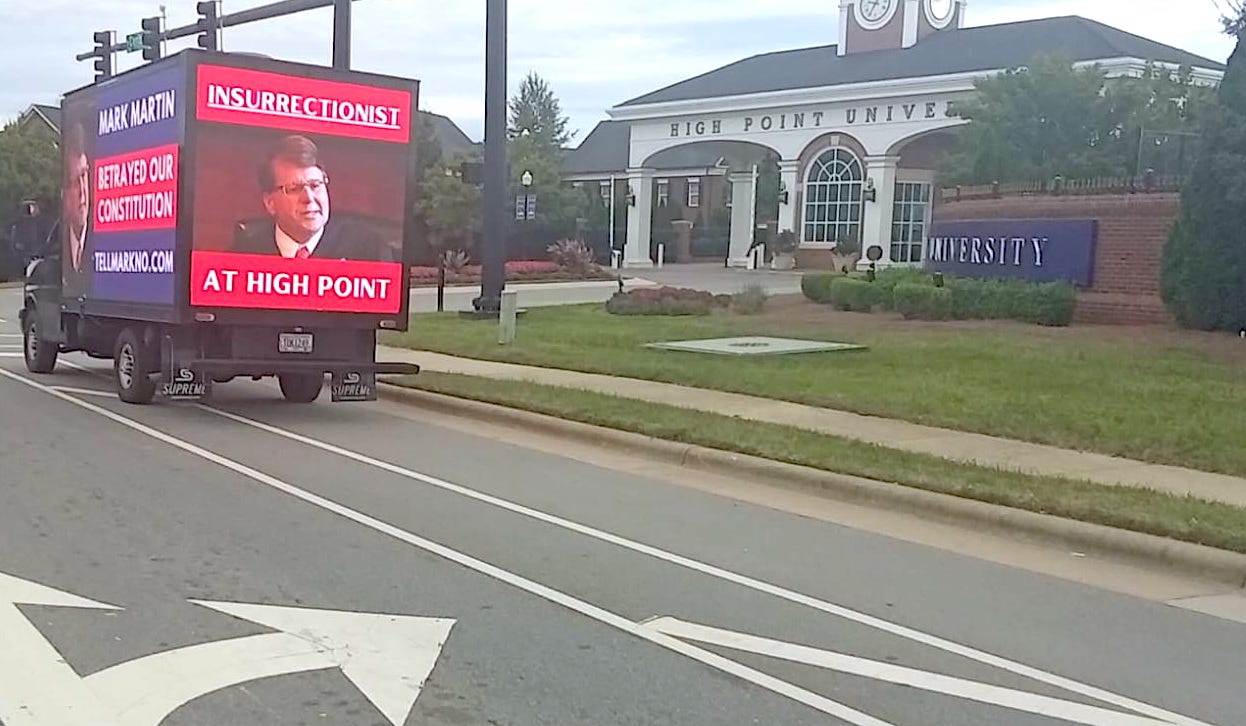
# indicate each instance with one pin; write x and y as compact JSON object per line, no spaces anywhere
{"x":387,"y":657}
{"x":934,"y":682}
{"x":37,"y":686}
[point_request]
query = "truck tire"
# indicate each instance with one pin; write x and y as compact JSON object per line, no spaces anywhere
{"x":301,"y":387}
{"x":40,"y":355}
{"x":132,"y":365}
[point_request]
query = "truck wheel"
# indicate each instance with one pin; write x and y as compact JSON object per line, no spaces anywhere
{"x":301,"y":387}
{"x":40,"y":355}
{"x":131,"y":367}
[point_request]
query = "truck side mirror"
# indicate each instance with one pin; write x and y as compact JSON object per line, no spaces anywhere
{"x":27,"y":240}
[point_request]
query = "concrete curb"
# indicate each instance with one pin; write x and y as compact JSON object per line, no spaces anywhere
{"x":1147,"y":550}
{"x":11,"y":285}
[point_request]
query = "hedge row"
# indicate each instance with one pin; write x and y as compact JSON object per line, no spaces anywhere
{"x":914,"y":294}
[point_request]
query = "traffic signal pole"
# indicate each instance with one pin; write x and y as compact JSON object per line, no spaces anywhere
{"x":242,"y":17}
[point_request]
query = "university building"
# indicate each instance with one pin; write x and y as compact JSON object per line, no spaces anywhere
{"x":856,"y":129}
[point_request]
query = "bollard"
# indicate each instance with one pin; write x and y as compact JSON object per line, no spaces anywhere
{"x":506,"y":320}
{"x":661,"y":255}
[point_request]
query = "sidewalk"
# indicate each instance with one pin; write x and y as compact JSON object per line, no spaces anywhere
{"x":971,"y":448}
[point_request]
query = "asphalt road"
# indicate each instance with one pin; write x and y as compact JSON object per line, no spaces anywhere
{"x":527,"y":587}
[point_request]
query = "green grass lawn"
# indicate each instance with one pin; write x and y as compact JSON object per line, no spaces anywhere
{"x":1160,"y":396}
{"x":1183,"y":518}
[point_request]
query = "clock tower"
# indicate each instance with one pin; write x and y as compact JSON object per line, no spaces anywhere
{"x":866,"y":25}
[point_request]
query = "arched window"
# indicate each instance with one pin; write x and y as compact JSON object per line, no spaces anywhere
{"x":833,"y":197}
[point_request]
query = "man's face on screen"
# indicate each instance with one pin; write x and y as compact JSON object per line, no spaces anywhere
{"x":299,"y":200}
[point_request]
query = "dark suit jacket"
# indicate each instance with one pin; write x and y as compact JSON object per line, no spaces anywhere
{"x":343,"y":239}
{"x":77,"y":282}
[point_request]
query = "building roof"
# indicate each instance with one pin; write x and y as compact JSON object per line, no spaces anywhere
{"x":605,"y":149}
{"x":449,"y":135}
{"x":964,"y":50}
{"x":51,"y":115}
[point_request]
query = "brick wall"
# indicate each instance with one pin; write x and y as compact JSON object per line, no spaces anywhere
{"x":1132,"y":231}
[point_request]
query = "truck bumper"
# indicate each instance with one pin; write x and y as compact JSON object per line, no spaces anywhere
{"x":233,"y":367}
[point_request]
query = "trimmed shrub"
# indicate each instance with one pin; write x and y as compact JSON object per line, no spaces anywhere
{"x":1049,"y":303}
{"x":817,"y":285}
{"x":1052,"y":303}
{"x":851,"y":294}
{"x":750,"y":301}
{"x":886,"y":281}
{"x":922,"y":302}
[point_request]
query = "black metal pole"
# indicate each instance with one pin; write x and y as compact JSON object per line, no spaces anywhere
{"x":493,"y":262}
{"x":341,"y":34}
{"x":441,"y":282}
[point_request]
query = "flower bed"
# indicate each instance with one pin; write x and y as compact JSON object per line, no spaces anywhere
{"x":666,"y":301}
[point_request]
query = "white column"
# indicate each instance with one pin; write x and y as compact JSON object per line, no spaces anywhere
{"x":911,"y":10}
{"x":845,"y":7}
{"x":741,"y":218}
{"x":787,"y":212}
{"x":877,"y":227}
{"x":639,"y":218}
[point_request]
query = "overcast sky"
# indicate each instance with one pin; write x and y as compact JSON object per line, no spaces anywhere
{"x":594,"y":53}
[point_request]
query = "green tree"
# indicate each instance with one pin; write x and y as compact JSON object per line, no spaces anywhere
{"x":449,"y":209}
{"x":535,"y":112}
{"x":538,"y":134}
{"x":428,"y":151}
{"x":1203,"y":280}
{"x":558,"y":203}
{"x":30,"y":168}
{"x":1051,"y":119}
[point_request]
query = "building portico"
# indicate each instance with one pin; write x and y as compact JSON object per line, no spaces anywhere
{"x":837,"y":158}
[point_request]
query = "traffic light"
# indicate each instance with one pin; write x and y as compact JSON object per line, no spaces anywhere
{"x":103,"y":55}
{"x":151,"y":39}
{"x":208,"y":24}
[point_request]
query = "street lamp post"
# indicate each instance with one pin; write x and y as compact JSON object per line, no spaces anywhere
{"x":493,"y":257}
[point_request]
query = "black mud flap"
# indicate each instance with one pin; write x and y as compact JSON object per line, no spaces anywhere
{"x":178,"y":381}
{"x":183,"y":384}
{"x":351,"y":386}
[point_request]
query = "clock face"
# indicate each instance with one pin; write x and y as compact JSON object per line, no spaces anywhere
{"x":873,"y":11}
{"x":940,"y":10}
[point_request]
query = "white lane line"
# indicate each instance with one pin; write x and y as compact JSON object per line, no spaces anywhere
{"x":925,"y":680}
{"x":83,"y":391}
{"x":601,"y":615}
{"x":736,"y":578}
{"x":10,"y":335}
{"x":5,"y":354}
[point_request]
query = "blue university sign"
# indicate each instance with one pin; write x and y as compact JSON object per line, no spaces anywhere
{"x":1040,"y":250}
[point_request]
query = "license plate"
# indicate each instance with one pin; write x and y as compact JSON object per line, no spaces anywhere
{"x":295,"y":343}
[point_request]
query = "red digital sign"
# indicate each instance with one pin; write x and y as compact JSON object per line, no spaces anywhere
{"x":232,"y":280}
{"x":270,"y":100}
{"x":136,"y":190}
